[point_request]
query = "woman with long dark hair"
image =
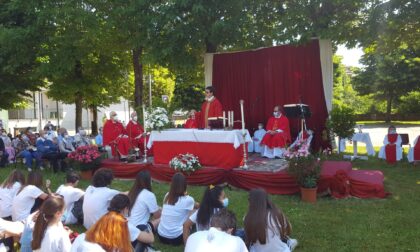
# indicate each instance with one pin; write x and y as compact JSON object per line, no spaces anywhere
{"x":143,"y":201}
{"x":8,"y":190}
{"x":177,"y":207}
{"x":213,"y":200}
{"x":266,"y":226}
{"x":49,"y":234}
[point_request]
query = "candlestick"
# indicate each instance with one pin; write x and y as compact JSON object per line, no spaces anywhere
{"x":145,"y":136}
{"x":245,"y":165}
{"x":242,"y":116}
{"x":233,"y":119}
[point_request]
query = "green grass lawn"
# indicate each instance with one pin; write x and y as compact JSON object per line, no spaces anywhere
{"x":391,"y":224}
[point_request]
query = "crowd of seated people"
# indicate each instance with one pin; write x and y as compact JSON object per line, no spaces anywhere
{"x":33,"y":215}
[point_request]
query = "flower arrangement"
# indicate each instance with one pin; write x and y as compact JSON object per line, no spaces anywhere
{"x":85,"y":157}
{"x":304,"y":166}
{"x":185,"y":163}
{"x":157,"y":119}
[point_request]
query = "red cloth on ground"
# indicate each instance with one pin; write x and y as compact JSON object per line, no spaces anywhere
{"x":112,"y":137}
{"x":367,"y":184}
{"x":210,"y":109}
{"x":391,"y":149}
{"x":191,"y":124}
{"x":340,"y":185}
{"x":280,"y":139}
{"x":417,"y":150}
{"x":134,"y":130}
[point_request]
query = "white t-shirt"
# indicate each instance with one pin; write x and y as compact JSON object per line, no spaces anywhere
{"x":71,"y":195}
{"x":15,"y":227}
{"x":24,"y":201}
{"x":56,"y":239}
{"x":273,"y":240}
{"x":81,"y":245}
{"x":174,"y":216}
{"x":193,"y":218}
{"x":95,"y":204}
{"x":145,"y":205}
{"x":6,"y":199}
{"x":214,"y":240}
{"x":134,"y":232}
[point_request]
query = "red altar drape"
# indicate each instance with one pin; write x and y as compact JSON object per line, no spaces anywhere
{"x":272,"y":76}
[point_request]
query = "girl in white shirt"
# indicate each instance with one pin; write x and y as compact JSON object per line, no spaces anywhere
{"x":143,"y":201}
{"x":24,"y":201}
{"x":49,"y":234}
{"x":8,"y":191}
{"x":177,"y":207}
{"x":266,"y":227}
{"x":71,"y":194}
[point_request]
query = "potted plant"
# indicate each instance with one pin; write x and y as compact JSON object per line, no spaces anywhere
{"x":341,"y":123}
{"x":306,"y":169}
{"x":86,"y":159}
{"x":185,"y":163}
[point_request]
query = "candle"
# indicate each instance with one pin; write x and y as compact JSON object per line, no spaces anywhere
{"x":242,"y":116}
{"x":230,"y":119}
{"x":233,"y":119}
{"x":224,"y":119}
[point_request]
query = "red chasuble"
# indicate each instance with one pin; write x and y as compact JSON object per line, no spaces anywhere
{"x":417,"y":150}
{"x":191,"y":124}
{"x":134,"y":130}
{"x":279,"y":139}
{"x":391,"y":149}
{"x":210,"y":109}
{"x":112,"y":131}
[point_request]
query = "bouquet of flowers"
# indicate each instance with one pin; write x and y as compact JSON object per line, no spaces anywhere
{"x":156,"y":119}
{"x":185,"y":163}
{"x":304,"y":166}
{"x":85,"y":157}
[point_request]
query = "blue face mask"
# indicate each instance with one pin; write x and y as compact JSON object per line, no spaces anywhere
{"x":225,"y":202}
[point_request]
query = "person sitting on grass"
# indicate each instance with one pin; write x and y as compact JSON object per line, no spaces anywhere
{"x":219,"y":237}
{"x":266,"y":227}
{"x":213,"y":200}
{"x":71,"y":194}
{"x":49,"y":235}
{"x":29,"y":198}
{"x":97,"y":197}
{"x":177,"y":207}
{"x":143,"y":201}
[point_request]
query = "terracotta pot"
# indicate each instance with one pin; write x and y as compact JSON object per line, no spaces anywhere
{"x":86,"y":175}
{"x":308,"y":194}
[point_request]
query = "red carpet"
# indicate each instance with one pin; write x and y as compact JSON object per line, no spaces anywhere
{"x":363,"y":184}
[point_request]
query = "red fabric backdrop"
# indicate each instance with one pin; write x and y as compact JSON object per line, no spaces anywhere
{"x":272,"y":76}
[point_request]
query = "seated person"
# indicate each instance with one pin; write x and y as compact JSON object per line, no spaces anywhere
{"x":30,"y":151}
{"x":192,"y":122}
{"x":71,"y":194}
{"x":3,"y":154}
{"x":48,"y":149}
{"x":136,"y":133}
{"x":278,"y":135}
{"x":258,"y":136}
{"x":81,"y":138}
{"x":7,"y":140}
{"x":115,"y":136}
{"x":49,"y":132}
{"x":414,"y":152}
{"x":391,"y":151}
{"x":99,"y":138}
{"x":219,"y":237}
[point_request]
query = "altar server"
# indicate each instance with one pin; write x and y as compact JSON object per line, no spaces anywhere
{"x":277,"y":136}
{"x":258,"y":136}
{"x":414,"y":152}
{"x":210,"y":108}
{"x":192,"y":121}
{"x":116,"y":136}
{"x":391,"y":151}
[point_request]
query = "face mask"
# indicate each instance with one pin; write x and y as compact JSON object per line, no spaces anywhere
{"x":66,"y":136}
{"x":82,"y":132}
{"x":276,"y":113}
{"x":135,"y":118}
{"x":225,"y":202}
{"x":115,"y":118}
{"x":260,"y":127}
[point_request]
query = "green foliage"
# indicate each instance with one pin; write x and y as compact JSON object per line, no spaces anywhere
{"x":342,"y":121}
{"x":188,"y":96}
{"x":410,"y":103}
{"x":306,"y":170}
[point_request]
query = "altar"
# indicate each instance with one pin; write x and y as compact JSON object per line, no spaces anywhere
{"x":214,"y":148}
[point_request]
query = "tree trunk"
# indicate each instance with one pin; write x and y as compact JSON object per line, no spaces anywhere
{"x":94,"y":122}
{"x":388,"y":109}
{"x":210,"y":47}
{"x":138,"y":78}
{"x":79,"y":106}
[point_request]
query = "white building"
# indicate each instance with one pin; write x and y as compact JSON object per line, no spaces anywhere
{"x":44,"y":109}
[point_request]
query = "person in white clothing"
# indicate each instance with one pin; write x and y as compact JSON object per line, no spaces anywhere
{"x":71,"y":194}
{"x":266,"y":227}
{"x":219,"y":237}
{"x":8,"y":190}
{"x":258,"y":136}
{"x":213,"y":200}
{"x":177,"y":207}
{"x":49,"y":234}
{"x":413,"y":152}
{"x":391,"y":139}
{"x":143,"y":201}
{"x":97,"y":197}
{"x":24,"y":203}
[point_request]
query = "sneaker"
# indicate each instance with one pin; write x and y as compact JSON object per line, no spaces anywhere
{"x":292,"y":243}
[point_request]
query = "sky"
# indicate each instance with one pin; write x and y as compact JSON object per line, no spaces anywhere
{"x":350,"y":56}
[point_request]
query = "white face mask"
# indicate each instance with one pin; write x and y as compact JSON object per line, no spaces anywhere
{"x":66,"y":136}
{"x":276,"y":114}
{"x":260,"y":127}
{"x":135,"y":118}
{"x":115,"y":118}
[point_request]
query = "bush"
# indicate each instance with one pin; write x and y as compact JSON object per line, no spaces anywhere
{"x":342,"y":122}
{"x":410,"y":103}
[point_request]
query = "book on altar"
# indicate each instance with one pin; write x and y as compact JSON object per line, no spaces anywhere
{"x":216,"y":118}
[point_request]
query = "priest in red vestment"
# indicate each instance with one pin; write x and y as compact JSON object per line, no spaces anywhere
{"x":116,"y":137}
{"x":192,"y":122}
{"x":211,"y":108}
{"x":136,"y":132}
{"x":392,"y":150}
{"x":414,"y":152}
{"x":277,"y":136}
